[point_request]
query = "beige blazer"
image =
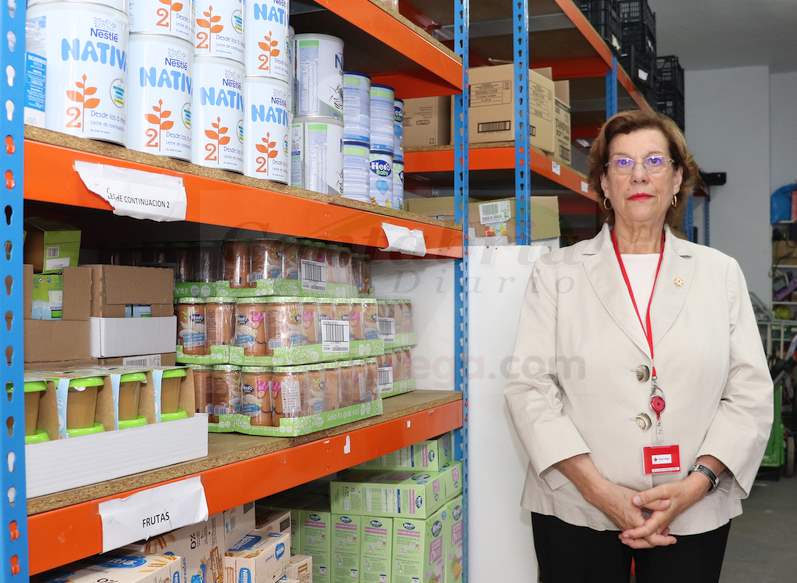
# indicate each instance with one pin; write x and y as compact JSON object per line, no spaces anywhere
{"x":580,"y":350}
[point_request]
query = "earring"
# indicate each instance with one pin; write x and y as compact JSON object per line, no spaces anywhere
{"x":606,"y":204}
{"x":675,"y":201}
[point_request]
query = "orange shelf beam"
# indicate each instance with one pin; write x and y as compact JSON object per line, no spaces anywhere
{"x":50,"y":177}
{"x":403,"y":39}
{"x":75,"y":532}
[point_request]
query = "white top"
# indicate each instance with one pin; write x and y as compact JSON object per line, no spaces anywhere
{"x":641,"y":270}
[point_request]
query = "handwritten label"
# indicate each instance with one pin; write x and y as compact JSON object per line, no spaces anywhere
{"x":134,"y":193}
{"x":152,"y":512}
{"x":404,"y":240}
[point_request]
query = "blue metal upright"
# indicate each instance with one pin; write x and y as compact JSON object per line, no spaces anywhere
{"x":461,"y":313}
{"x":13,"y":508}
{"x":611,"y":89}
{"x":520,"y":34}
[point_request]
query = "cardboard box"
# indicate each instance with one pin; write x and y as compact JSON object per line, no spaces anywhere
{"x":377,"y":549}
{"x":201,"y":547}
{"x":431,"y":455}
{"x":27,"y":288}
{"x":57,"y":340}
{"x":451,"y":476}
{"x":55,"y":403}
{"x":427,"y":121}
{"x":113,"y":337}
{"x":260,"y":557}
{"x":346,"y":547}
{"x":49,"y":246}
{"x":47,"y":296}
{"x":61,"y":365}
{"x":272,"y":520}
{"x":492,"y":110}
{"x":316,"y":537}
{"x":563,"y":152}
{"x":300,"y":569}
{"x":418,"y":549}
{"x":63,"y":296}
{"x":140,"y":361}
{"x":119,"y":567}
{"x":454,"y":535}
{"x":115,"y":287}
{"x":152,"y":393}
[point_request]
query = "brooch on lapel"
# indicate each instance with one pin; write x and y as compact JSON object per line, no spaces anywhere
{"x":678,"y":281}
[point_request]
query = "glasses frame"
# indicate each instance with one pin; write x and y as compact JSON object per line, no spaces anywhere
{"x":649,"y":171}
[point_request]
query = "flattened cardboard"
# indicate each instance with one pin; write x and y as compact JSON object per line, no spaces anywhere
{"x":116,"y":286}
{"x":57,"y":340}
{"x":130,"y":336}
{"x":62,"y":365}
{"x":27,"y":289}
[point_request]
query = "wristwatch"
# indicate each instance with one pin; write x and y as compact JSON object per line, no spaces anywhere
{"x":708,"y":472}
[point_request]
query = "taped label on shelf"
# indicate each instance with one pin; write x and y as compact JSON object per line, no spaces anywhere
{"x":152,"y":512}
{"x":584,"y":186}
{"x":404,"y":240}
{"x":135,"y":193}
{"x":556,"y":168}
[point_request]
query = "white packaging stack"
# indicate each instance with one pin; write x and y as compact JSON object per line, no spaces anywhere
{"x":398,"y":129}
{"x":159,"y":95}
{"x":356,"y":173}
{"x":357,"y":108}
{"x":266,"y":39}
{"x":317,"y":155}
{"x":382,"y":116}
{"x":84,"y":95}
{"x":170,"y":17}
{"x":319,"y":76}
{"x":398,"y":184}
{"x":267,"y":129}
{"x":219,"y":29}
{"x":381,"y":178}
{"x":217,"y":112}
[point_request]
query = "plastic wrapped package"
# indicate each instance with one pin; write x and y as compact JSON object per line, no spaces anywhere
{"x":236,"y":263}
{"x":313,"y":393}
{"x":207,"y":263}
{"x":286,"y":391}
{"x":203,"y":388}
{"x":250,"y":325}
{"x":256,"y":395}
{"x":191,"y":326}
{"x":266,"y":260}
{"x":289,"y":251}
{"x":332,"y":385}
{"x":226,"y":391}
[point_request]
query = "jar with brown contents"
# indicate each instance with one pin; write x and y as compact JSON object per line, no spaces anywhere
{"x":256,"y":395}
{"x":236,"y":263}
{"x":345,"y":274}
{"x":289,"y":254}
{"x":265,"y":257}
{"x":371,"y":380}
{"x":250,"y":326}
{"x":203,"y":388}
{"x":191,"y":326}
{"x":286,"y":391}
{"x":226,"y":391}
{"x":349,"y":391}
{"x":313,"y":272}
{"x":406,"y":316}
{"x":290,"y":322}
{"x":220,"y":321}
{"x":333,"y":263}
{"x":207,"y":262}
{"x":359,"y":380}
{"x":370,"y":319}
{"x":357,"y":320}
{"x":181,"y":259}
{"x":331,"y":371}
{"x":314,"y":394}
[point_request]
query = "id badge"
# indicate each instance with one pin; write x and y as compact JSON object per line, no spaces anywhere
{"x":662,"y":459}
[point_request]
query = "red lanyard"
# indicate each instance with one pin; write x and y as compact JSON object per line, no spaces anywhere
{"x":647,"y":330}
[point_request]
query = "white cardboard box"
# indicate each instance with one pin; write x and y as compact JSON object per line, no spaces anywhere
{"x":132,"y":336}
{"x":63,"y":464}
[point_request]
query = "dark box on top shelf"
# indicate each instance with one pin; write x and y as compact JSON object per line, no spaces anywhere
{"x":640,"y":66}
{"x":605,"y":17}
{"x":638,"y":11}
{"x":669,"y":75}
{"x":673,"y":108}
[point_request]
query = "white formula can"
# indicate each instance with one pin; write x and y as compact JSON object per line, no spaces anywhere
{"x":356,"y":179}
{"x":217,"y":109}
{"x":76,"y":69}
{"x":120,"y":5}
{"x":357,"y":108}
{"x":317,"y":155}
{"x":319,"y":76}
{"x":219,"y":29}
{"x":159,"y":95}
{"x":398,"y":183}
{"x":267,"y":152}
{"x":398,"y":129}
{"x":382,"y":131}
{"x":266,"y":39}
{"x":172,"y":17}
{"x":381,"y":178}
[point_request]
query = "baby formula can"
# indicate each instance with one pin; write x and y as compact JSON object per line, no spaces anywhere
{"x":357,"y":108}
{"x":381,"y":173}
{"x":319,"y":76}
{"x":77,"y":69}
{"x":172,"y":17}
{"x":266,"y":129}
{"x":317,"y":155}
{"x":356,"y":179}
{"x":266,"y":37}
{"x":217,"y":114}
{"x":159,"y":95}
{"x":382,"y":116}
{"x":398,"y":128}
{"x":219,"y":29}
{"x":398,"y":184}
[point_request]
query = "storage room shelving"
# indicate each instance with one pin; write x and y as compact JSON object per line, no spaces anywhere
{"x":45,"y":532}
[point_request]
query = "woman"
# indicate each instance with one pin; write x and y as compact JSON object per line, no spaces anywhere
{"x":640,"y":388}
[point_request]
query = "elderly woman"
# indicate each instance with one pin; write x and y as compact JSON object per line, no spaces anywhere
{"x":640,"y":389}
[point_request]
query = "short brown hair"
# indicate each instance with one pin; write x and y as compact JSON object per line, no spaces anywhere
{"x":627,"y":122}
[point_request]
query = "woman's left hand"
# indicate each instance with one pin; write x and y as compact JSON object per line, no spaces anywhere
{"x":682,"y":495}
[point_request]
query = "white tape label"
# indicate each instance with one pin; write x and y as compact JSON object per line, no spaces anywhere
{"x":404,"y":240}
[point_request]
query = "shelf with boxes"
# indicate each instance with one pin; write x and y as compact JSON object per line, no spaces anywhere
{"x":67,"y":523}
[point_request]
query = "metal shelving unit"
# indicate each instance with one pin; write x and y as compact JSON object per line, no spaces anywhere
{"x":51,"y":531}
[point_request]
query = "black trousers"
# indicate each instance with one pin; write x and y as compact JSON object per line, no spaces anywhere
{"x":576,"y":554}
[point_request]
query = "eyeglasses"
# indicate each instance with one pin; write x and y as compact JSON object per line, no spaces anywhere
{"x":653,"y":164}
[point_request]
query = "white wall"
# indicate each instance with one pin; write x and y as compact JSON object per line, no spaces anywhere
{"x":728,"y":130}
{"x":783,"y":99}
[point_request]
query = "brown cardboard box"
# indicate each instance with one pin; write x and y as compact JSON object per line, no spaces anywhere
{"x":563,"y":152}
{"x":77,"y":293}
{"x":492,"y":107}
{"x":48,"y":409}
{"x":50,"y":246}
{"x":115,"y":286}
{"x":57,"y":340}
{"x":143,"y":361}
{"x":61,"y":365}
{"x":427,"y":121}
{"x":27,"y":289}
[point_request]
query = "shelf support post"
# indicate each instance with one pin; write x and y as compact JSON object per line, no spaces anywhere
{"x":520,"y":38}
{"x":611,"y":89}
{"x":461,"y":284}
{"x":13,"y":507}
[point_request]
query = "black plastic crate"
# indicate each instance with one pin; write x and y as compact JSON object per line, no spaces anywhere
{"x":673,"y":108}
{"x":640,"y":66}
{"x":638,"y":11}
{"x":605,"y":17}
{"x":635,"y":34}
{"x":670,"y":75}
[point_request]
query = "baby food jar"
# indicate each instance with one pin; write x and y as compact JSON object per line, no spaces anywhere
{"x":314,"y":393}
{"x":130,"y":399}
{"x":203,"y":388}
{"x":34,"y":390}
{"x":291,"y":322}
{"x":207,"y":262}
{"x":81,"y":406}
{"x":181,"y":259}
{"x":405,"y":321}
{"x":286,"y":391}
{"x":331,"y":372}
{"x":289,"y":252}
{"x":360,"y":392}
{"x":191,"y":326}
{"x":250,"y":325}
{"x":370,"y":319}
{"x":266,"y":258}
{"x":236,"y":263}
{"x":226,"y":391}
{"x":220,"y":321}
{"x":171,"y":384}
{"x":256,"y":395}
{"x":371,"y":379}
{"x":349,"y":390}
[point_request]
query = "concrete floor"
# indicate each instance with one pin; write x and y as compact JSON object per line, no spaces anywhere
{"x":762,"y":547}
